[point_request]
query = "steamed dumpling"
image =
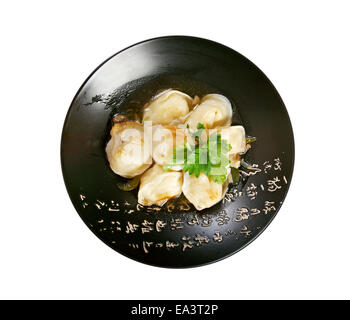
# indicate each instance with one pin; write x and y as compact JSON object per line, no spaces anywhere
{"x":165,"y":139}
{"x":158,"y":186}
{"x":214,"y":110}
{"x":127,"y":152}
{"x":202,"y":192}
{"x":235,"y":136}
{"x":169,"y":107}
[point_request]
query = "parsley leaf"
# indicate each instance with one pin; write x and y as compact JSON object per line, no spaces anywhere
{"x":210,"y":157}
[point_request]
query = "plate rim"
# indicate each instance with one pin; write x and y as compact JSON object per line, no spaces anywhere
{"x":187,"y":37}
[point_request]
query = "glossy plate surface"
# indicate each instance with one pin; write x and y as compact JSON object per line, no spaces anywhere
{"x":176,"y":235}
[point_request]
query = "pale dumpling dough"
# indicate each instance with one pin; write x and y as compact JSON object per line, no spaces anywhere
{"x":158,"y":186}
{"x":165,"y":139}
{"x":169,"y":107}
{"x":214,"y":110}
{"x":127,"y":152}
{"x":202,"y":192}
{"x":235,"y":136}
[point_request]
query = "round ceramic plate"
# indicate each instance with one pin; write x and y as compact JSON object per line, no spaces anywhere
{"x":176,"y":235}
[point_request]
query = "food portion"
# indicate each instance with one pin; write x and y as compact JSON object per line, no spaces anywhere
{"x":158,"y":186}
{"x":164,"y":140}
{"x":184,"y":145}
{"x":168,"y":107}
{"x":202,"y":191}
{"x":235,"y":137}
{"x":127,"y":153}
{"x":214,"y":110}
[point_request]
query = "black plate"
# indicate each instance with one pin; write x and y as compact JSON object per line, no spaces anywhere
{"x":176,"y":235}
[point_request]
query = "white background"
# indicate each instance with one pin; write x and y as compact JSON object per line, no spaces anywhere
{"x":49,"y":48}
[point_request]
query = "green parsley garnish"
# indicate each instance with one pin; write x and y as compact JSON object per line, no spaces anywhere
{"x":210,"y":157}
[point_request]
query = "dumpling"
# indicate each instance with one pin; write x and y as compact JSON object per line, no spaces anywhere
{"x":169,"y":107}
{"x":214,"y":110}
{"x":127,"y":150}
{"x":202,"y":192}
{"x":165,"y":139}
{"x":235,"y":136}
{"x":158,"y":186}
